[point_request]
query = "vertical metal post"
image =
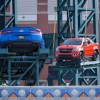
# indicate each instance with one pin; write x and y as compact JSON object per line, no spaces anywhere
{"x":2,"y":16}
{"x":98,"y":75}
{"x":6,"y":18}
{"x":59,"y":75}
{"x":76,"y":78}
{"x":96,"y":20}
{"x":68,"y":17}
{"x":14,"y":11}
{"x":9,"y":71}
{"x":76,"y":17}
{"x":37,"y":71}
{"x":59,"y":16}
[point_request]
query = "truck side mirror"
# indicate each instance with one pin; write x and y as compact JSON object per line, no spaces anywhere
{"x":88,"y":42}
{"x":84,"y":43}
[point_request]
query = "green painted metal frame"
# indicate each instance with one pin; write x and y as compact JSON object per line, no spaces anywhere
{"x":7,"y":18}
{"x":78,"y":30}
{"x":75,"y":13}
{"x":78,"y":25}
{"x":32,"y":63}
{"x":87,"y":75}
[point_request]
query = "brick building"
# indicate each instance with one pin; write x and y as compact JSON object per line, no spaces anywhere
{"x":40,"y":13}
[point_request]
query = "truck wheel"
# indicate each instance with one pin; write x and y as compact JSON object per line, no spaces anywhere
{"x":94,"y":57}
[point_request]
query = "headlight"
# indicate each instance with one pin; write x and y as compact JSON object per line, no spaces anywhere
{"x":57,"y":49}
{"x":74,"y":49}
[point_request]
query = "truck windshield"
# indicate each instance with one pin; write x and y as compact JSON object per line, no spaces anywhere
{"x":72,"y":42}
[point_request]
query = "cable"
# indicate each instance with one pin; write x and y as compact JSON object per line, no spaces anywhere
{"x":69,"y":20}
{"x":85,"y":31}
{"x":54,"y":32}
{"x":54,"y":35}
{"x":86,"y":20}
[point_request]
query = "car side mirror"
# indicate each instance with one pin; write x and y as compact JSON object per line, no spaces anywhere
{"x":88,"y":42}
{"x":84,"y":43}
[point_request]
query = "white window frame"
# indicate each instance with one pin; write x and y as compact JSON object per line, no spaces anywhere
{"x":25,"y":16}
{"x":52,"y":14}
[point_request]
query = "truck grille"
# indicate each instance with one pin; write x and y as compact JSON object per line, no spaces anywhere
{"x":65,"y":50}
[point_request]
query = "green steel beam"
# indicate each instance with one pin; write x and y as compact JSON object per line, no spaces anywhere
{"x":21,"y":77}
{"x":7,"y":19}
{"x":14,"y":11}
{"x":37,"y":70}
{"x":2,"y":11}
{"x":59,"y":17}
{"x":86,"y":22}
{"x":9,"y":71}
{"x":96,"y":21}
{"x":31,"y":66}
{"x":82,"y":3}
{"x":75,"y":75}
{"x":75,"y":27}
{"x":76,"y":9}
{"x":66,"y":25}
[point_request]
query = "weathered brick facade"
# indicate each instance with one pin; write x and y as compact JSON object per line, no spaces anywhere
{"x":42,"y":19}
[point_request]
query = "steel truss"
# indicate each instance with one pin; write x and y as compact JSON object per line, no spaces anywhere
{"x":15,"y":68}
{"x":7,"y":13}
{"x":85,"y":74}
{"x":67,"y":73}
{"x":74,"y":9}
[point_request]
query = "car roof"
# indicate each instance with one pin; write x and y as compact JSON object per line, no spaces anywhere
{"x":82,"y":38}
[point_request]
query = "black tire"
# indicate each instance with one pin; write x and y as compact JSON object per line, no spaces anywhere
{"x":94,"y":57}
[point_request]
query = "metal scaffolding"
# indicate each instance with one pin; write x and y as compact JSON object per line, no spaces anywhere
{"x":88,"y":73}
{"x":75,"y":9}
{"x":65,"y":72}
{"x":7,"y":13}
{"x":74,"y":26}
{"x":16,"y":68}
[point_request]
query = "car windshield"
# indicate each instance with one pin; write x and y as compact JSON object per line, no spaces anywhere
{"x":72,"y":42}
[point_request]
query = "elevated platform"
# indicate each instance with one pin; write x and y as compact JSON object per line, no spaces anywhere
{"x":15,"y":68}
{"x":85,"y":73}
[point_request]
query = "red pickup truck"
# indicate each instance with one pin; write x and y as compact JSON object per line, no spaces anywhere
{"x":77,"y":49}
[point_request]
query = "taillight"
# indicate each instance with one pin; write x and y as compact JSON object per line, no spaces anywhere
{"x":5,"y":31}
{"x":35,"y":31}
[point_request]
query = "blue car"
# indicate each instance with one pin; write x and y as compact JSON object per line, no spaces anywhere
{"x":21,"y":39}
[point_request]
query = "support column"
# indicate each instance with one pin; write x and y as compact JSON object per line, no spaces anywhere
{"x":9,"y":71}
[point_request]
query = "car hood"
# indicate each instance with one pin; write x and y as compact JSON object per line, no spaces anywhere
{"x":69,"y":46}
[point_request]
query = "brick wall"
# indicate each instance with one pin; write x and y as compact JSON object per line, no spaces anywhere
{"x":42,"y":19}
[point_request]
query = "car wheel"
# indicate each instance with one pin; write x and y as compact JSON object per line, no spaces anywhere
{"x":94,"y":57}
{"x":81,"y":56}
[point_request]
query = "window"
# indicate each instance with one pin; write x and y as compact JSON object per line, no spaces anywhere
{"x":72,"y":42}
{"x":27,"y":10}
{"x":86,"y":13}
{"x":51,"y":14}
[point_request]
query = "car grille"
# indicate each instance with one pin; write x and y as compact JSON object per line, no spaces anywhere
{"x":65,"y":50}
{"x":65,"y":57}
